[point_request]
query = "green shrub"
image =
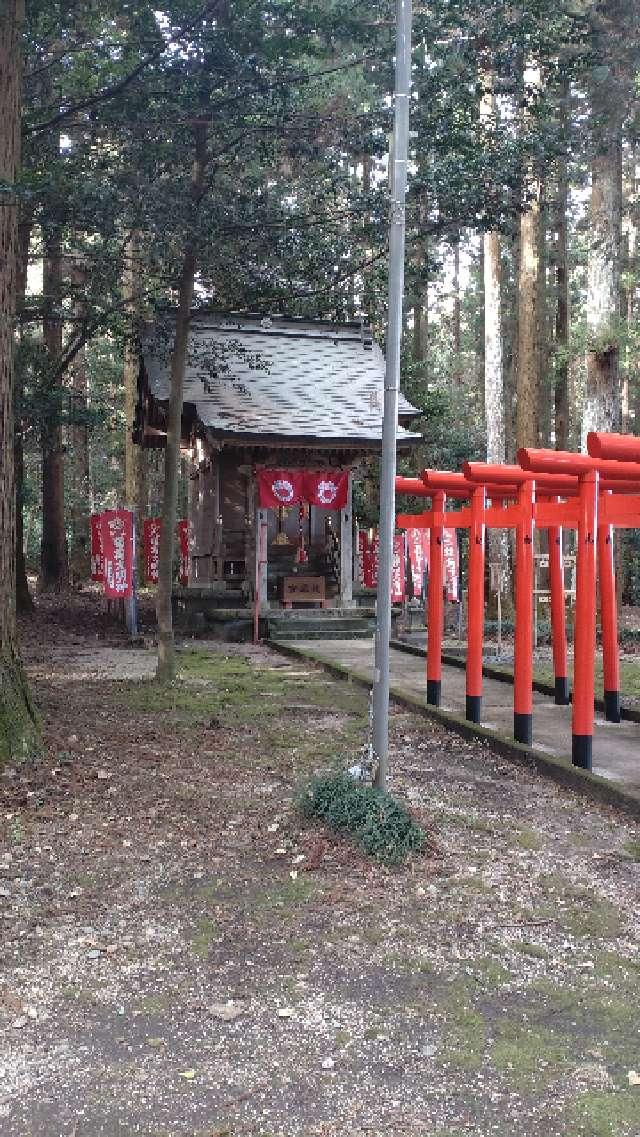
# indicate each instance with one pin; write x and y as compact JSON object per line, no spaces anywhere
{"x":376,"y":821}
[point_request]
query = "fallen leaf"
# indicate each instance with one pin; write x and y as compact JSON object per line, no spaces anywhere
{"x":226,"y":1012}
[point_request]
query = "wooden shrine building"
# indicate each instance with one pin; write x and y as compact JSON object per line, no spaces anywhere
{"x":270,"y":402}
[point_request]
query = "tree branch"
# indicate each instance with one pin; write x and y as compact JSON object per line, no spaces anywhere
{"x":126,"y":81}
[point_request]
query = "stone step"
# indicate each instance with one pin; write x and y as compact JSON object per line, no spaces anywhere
{"x":327,"y":629}
{"x":320,"y":634}
{"x":307,"y":613}
{"x":280,"y":627}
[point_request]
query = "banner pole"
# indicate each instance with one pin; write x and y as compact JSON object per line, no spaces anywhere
{"x":400,"y":146}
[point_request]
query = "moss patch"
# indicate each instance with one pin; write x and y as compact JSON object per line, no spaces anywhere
{"x":466,"y":1038}
{"x":528,"y":1056}
{"x":19,"y":721}
{"x":631,"y":849}
{"x":605,"y":1114}
{"x":529,"y":839}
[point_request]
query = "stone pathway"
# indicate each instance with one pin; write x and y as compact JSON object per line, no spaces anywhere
{"x":616,"y":747}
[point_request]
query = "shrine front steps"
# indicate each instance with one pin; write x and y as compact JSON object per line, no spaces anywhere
{"x":327,"y":624}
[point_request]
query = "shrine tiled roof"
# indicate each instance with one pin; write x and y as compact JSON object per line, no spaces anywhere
{"x":257,"y":378}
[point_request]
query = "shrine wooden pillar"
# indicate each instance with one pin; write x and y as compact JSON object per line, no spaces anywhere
{"x":193,"y":515}
{"x":346,"y":549}
{"x":261,"y":599}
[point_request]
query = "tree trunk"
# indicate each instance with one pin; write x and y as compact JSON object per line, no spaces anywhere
{"x":528,"y":373}
{"x":19,"y":734}
{"x":630,"y":369}
{"x":493,"y":374}
{"x":420,"y":344}
{"x":456,"y":338}
{"x":510,"y":342}
{"x":545,"y":404}
{"x":498,"y":545}
{"x":561,"y":367}
{"x":478,"y":326}
{"x":54,"y":571}
{"x":24,"y":601}
{"x":417,"y":334}
{"x":368,"y":290}
{"x":166,"y":647}
{"x":602,"y":399}
{"x":493,"y":379}
{"x":81,"y":484}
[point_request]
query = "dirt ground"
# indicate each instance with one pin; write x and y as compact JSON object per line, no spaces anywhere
{"x":182,"y":955}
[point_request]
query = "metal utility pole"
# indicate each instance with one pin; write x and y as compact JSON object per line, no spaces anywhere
{"x":398,"y":157}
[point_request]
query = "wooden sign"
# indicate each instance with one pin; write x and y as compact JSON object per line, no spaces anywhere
{"x":303,"y":590}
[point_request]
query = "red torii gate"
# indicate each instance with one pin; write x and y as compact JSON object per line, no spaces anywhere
{"x":552,"y":475}
{"x":500,"y":484}
{"x":605,"y":499}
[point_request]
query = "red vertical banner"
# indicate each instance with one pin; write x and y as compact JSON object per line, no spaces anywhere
{"x":183,"y":537}
{"x":418,"y":546}
{"x":362,"y":547}
{"x":151,"y":544}
{"x":369,"y":558}
{"x":117,"y":549}
{"x":398,"y":570}
{"x":97,"y":564}
{"x":374,"y":548}
{"x":451,"y":564}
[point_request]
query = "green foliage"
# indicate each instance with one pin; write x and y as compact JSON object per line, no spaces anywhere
{"x":380,"y":825}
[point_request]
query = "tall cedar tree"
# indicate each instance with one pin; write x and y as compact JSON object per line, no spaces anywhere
{"x":18,"y":727}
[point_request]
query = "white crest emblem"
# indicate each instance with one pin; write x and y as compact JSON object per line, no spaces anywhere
{"x":283,"y":490}
{"x":327,"y":492}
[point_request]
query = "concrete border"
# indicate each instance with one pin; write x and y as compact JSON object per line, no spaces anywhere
{"x":559,"y":770}
{"x":504,"y":676}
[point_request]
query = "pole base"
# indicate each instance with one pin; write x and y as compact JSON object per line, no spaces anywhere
{"x":612,"y":706}
{"x":474,"y":708}
{"x":523,"y":728}
{"x":434,"y":692}
{"x":581,"y":750}
{"x":562,"y":696}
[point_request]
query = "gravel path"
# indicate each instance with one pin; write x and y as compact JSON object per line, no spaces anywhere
{"x":182,"y":956}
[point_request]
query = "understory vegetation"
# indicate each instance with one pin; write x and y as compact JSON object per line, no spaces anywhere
{"x":380,"y":826}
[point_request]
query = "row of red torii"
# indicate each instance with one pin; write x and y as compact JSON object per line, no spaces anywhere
{"x":553,"y":490}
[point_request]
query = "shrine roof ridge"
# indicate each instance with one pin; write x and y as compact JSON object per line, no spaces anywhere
{"x":250,"y":375}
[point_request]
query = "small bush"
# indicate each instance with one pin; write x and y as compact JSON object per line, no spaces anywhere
{"x":378,"y":824}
